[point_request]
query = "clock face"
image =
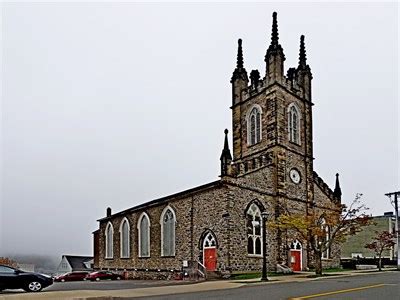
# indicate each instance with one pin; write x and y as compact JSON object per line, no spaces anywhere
{"x":295,"y":176}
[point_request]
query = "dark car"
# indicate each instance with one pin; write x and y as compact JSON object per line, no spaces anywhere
{"x":72,"y":276}
{"x":11,"y":278}
{"x":103,"y":275}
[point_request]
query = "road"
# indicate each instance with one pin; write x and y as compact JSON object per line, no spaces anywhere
{"x":372,"y":286}
{"x":383,"y":285}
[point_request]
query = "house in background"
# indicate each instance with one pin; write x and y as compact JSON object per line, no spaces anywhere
{"x":354,"y":246}
{"x":72,"y":263}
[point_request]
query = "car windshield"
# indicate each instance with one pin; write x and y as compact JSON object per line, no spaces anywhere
{"x":5,"y":269}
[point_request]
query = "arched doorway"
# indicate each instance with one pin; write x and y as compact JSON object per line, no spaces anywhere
{"x":209,"y":251}
{"x":296,"y":256}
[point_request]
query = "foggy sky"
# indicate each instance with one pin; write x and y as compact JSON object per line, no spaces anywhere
{"x":117,"y":104}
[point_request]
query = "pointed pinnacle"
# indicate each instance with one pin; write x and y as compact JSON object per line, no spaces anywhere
{"x":226,"y":146}
{"x":239,"y":63}
{"x":302,"y":54}
{"x":226,"y":152}
{"x":337,"y":192}
{"x":274,"y":35}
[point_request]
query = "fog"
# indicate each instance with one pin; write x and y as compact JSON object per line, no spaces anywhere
{"x":115,"y":104}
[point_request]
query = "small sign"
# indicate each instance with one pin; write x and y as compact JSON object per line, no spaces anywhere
{"x":185,"y":263}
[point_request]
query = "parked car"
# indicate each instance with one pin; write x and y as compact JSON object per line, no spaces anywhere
{"x":11,"y":278}
{"x":72,"y":276}
{"x":103,"y":275}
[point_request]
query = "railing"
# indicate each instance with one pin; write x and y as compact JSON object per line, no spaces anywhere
{"x":201,"y":269}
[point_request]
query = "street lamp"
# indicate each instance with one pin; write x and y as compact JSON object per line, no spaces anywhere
{"x":264,"y":216}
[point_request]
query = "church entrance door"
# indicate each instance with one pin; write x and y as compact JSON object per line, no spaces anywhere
{"x":210,"y":258}
{"x":295,"y":256}
{"x":295,"y":260}
{"x":210,"y":252}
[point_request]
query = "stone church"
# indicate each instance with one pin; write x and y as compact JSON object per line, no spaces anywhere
{"x":219,"y":226}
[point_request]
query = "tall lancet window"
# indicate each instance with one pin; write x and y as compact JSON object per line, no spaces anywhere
{"x":144,"y":235}
{"x":294,"y":124}
{"x":109,"y":234}
{"x":254,"y":240}
{"x":168,"y":232}
{"x":254,"y":126}
{"x":124,"y":231}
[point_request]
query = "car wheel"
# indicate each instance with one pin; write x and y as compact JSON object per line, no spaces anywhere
{"x":34,"y":286}
{"x":97,"y":279}
{"x":118,"y":278}
{"x":62,"y":280}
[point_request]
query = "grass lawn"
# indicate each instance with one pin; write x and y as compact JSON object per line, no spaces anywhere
{"x":331,"y":270}
{"x":241,"y":276}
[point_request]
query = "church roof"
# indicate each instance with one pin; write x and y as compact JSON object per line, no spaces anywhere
{"x":324,"y":187}
{"x":77,"y":263}
{"x":158,"y":201}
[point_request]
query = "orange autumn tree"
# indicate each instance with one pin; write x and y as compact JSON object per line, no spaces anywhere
{"x":322,"y":228}
{"x":8,"y":262}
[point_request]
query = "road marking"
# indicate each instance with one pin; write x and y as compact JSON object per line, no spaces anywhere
{"x":339,"y":292}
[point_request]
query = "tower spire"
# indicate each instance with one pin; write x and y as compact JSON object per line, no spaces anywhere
{"x":337,"y":192}
{"x":302,"y":53}
{"x":274,"y":34}
{"x":304,"y":75}
{"x":274,"y":57}
{"x":240,"y":71}
{"x":239,"y":62}
{"x":239,"y":78}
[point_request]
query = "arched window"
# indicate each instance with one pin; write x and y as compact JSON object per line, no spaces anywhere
{"x":144,"y":235}
{"x":167,"y":221}
{"x":124,"y":232}
{"x":294,"y":124}
{"x":254,"y":126}
{"x":109,"y":240}
{"x":254,"y":240}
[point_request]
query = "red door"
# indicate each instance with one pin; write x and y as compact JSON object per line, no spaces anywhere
{"x":295,"y":262}
{"x":210,"y":258}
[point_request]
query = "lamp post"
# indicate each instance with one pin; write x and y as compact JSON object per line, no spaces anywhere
{"x":264,"y":217}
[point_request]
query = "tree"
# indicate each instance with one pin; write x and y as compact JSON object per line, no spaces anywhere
{"x":8,"y":262}
{"x":382,"y":241}
{"x":323,"y":227}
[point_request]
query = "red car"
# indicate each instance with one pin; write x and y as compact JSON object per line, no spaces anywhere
{"x":73,"y":276}
{"x":103,"y":275}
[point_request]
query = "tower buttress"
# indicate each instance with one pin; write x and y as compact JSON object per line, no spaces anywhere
{"x":304,"y":75}
{"x":274,"y":57}
{"x":239,"y":78}
{"x":239,"y":82}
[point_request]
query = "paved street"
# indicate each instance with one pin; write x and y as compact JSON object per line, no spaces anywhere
{"x":371,"y":286}
{"x":354,"y":285}
{"x":111,"y":284}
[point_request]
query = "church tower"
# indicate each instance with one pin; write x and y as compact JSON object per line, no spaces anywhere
{"x":272,"y":120}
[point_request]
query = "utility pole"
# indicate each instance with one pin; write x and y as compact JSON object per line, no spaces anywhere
{"x":396,"y":211}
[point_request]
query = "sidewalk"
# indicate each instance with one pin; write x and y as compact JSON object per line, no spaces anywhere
{"x":173,"y":289}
